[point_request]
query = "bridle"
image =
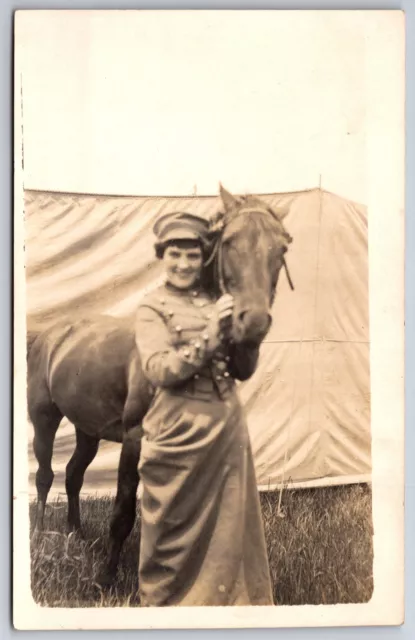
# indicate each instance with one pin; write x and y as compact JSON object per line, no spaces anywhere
{"x":217,"y":251}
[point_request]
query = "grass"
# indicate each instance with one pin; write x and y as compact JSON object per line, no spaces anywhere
{"x":319,"y":549}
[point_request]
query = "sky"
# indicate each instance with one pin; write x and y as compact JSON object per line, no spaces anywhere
{"x":171,"y":103}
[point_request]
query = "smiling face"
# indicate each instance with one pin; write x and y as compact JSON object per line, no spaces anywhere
{"x":183,"y":261}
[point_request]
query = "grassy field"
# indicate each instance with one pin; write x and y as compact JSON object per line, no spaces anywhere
{"x":320,"y":551}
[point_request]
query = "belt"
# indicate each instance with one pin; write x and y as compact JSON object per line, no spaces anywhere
{"x":206,"y":384}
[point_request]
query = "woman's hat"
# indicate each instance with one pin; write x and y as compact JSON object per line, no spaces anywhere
{"x":181,"y":226}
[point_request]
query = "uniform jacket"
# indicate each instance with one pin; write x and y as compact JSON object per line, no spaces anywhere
{"x":171,"y":334}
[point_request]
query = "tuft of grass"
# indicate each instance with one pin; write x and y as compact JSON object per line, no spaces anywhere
{"x":64,"y":568}
{"x":319,"y":550}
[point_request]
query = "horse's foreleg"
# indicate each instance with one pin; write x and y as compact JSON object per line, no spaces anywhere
{"x":123,"y":516}
{"x":45,"y":420}
{"x":85,"y":451}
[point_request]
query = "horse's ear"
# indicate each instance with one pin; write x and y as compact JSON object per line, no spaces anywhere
{"x":282,"y":212}
{"x":228,"y":199}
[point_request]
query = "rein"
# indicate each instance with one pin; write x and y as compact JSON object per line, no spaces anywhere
{"x":287,"y":273}
{"x":218,"y":253}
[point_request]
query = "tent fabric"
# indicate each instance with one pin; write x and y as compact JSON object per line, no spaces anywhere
{"x":308,"y":404}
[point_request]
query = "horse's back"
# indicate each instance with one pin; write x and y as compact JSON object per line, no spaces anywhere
{"x":84,"y":364}
{"x":81,"y":340}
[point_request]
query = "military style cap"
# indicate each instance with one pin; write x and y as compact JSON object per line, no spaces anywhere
{"x":181,"y":226}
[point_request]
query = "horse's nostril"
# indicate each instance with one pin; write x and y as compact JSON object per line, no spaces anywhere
{"x":257,"y":321}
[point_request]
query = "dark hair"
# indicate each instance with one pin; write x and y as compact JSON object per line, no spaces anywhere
{"x":160,"y":247}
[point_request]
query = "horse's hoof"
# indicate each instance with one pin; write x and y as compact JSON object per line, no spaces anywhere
{"x":106,"y":579}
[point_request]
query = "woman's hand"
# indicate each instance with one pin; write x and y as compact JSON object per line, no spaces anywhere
{"x":221,"y":321}
{"x":224,"y":309}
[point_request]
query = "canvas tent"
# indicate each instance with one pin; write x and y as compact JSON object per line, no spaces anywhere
{"x":308,"y":404}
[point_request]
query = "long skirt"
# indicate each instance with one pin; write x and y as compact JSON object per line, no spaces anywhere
{"x":202,"y":537}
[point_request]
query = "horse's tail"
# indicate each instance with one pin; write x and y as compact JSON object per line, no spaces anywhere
{"x":31,"y":336}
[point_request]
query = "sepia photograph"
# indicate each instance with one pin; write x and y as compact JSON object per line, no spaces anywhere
{"x":203,"y":413}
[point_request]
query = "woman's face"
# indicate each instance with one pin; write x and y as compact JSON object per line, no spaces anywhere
{"x":183,"y":264}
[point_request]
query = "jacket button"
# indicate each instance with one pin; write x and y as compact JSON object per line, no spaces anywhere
{"x":178,"y":328}
{"x":196,"y":376}
{"x":205,"y":337}
{"x":197,"y":345}
{"x":218,"y":377}
{"x":226,"y":374}
{"x":170,"y":312}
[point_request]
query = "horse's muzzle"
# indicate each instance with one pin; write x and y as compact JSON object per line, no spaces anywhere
{"x":251,"y":325}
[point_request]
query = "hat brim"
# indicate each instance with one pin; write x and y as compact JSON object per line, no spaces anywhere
{"x":181,"y":234}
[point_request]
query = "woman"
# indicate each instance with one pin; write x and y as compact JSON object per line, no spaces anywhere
{"x":202,"y":539}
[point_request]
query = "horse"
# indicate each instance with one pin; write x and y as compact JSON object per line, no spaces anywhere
{"x":89,"y":369}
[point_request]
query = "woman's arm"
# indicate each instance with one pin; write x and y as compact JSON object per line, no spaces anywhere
{"x":243,"y":361}
{"x":164,"y":365}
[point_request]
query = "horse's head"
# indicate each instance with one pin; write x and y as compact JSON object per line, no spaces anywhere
{"x":249,"y":252}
